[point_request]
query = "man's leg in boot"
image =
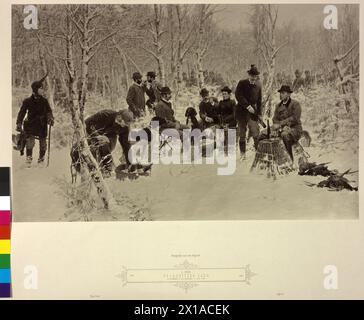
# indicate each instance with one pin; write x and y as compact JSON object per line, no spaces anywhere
{"x":29,"y":145}
{"x":242,"y":124}
{"x":42,"y":149}
{"x":288,"y":142}
{"x":254,"y":131}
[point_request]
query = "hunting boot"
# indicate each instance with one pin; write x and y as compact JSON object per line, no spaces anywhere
{"x":29,"y":157}
{"x":242,"y":146}
{"x":41,"y":156}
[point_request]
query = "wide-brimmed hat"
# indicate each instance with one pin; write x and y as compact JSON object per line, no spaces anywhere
{"x":253,"y":71}
{"x":226,"y":89}
{"x":165,"y":90}
{"x":285,"y":88}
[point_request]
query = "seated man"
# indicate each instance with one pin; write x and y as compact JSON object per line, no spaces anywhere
{"x":103,"y":129}
{"x":287,"y":119}
{"x":226,"y":109}
{"x":207,"y":110}
{"x":164,"y":111}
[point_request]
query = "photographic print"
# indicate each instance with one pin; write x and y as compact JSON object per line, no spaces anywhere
{"x":161,"y":112}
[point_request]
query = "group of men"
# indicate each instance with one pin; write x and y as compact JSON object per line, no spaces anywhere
{"x":106,"y":127}
{"x":245,"y":114}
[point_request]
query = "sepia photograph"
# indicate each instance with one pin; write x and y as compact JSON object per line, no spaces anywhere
{"x":162,"y":112}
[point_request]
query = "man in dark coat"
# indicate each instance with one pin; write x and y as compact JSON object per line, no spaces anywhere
{"x":249,"y":96}
{"x":35,"y":126}
{"x":207,"y":110}
{"x":104,"y":128}
{"x":164,"y":111}
{"x":287,"y":119}
{"x":135,"y":97}
{"x":152,"y":90}
{"x":226,"y":108}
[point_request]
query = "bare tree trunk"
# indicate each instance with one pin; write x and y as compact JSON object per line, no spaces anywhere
{"x":90,"y":167}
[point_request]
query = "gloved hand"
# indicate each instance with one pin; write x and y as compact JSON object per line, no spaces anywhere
{"x":19,"y":127}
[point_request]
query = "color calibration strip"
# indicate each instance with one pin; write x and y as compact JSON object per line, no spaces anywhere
{"x":5,"y":224}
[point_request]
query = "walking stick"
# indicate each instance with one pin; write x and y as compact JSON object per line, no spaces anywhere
{"x":49,"y":144}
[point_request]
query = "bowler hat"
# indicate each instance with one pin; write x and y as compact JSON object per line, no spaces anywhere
{"x":226,"y":89}
{"x":253,"y":71}
{"x":137,"y":75}
{"x":204,"y":92}
{"x":165,"y":90}
{"x":151,"y":74}
{"x":285,"y":88}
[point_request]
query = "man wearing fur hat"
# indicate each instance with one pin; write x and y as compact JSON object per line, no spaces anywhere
{"x":104,"y":128}
{"x":35,"y":126}
{"x":287,"y":119}
{"x":135,"y":97}
{"x":249,"y":96}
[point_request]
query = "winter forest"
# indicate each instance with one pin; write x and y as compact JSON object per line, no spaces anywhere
{"x":89,"y":54}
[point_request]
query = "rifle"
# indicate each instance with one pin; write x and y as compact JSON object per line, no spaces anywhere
{"x":260,"y":121}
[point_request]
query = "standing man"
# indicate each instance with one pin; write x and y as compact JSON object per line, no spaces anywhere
{"x":249,"y":96}
{"x":35,"y":126}
{"x":152,"y":90}
{"x":135,"y":97}
{"x":287,"y":119}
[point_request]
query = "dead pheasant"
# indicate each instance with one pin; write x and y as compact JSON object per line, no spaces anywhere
{"x":313,"y":169}
{"x":335,"y":182}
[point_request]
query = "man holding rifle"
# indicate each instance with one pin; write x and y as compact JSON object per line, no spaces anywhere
{"x":248,"y":110}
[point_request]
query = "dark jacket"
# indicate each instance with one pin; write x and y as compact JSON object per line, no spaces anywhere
{"x":38,"y":114}
{"x":288,"y":115}
{"x":136,"y":99}
{"x":248,"y":94}
{"x":103,"y":123}
{"x":153,"y":92}
{"x":164,"y":110}
{"x":209,"y":110}
{"x":226,"y":111}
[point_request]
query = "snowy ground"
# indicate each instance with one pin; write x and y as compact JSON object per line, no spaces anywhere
{"x":186,"y":192}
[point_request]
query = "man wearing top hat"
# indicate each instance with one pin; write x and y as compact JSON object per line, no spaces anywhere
{"x":287,"y":119}
{"x":35,"y":126}
{"x":248,"y":94}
